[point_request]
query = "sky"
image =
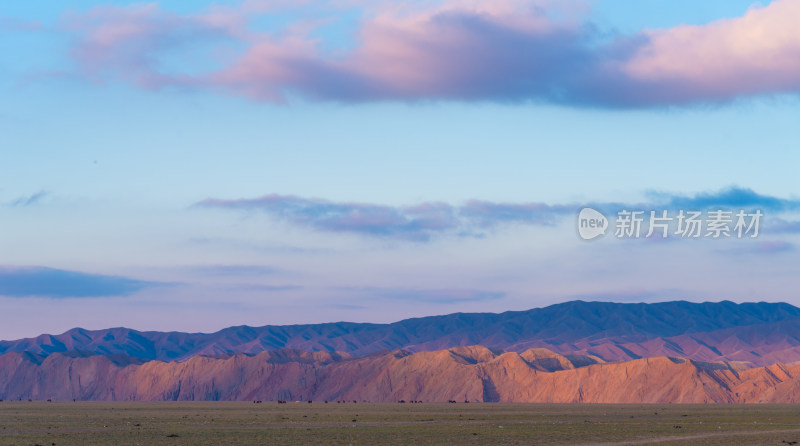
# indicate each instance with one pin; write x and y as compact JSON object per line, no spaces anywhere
{"x":189,"y":166}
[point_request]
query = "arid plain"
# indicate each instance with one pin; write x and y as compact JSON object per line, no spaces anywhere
{"x":207,"y":423}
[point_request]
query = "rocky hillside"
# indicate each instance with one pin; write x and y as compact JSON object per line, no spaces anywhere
{"x":475,"y":373}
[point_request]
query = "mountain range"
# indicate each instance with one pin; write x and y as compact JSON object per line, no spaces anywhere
{"x":761,"y":333}
{"x":606,"y":352}
{"x":474,"y":374}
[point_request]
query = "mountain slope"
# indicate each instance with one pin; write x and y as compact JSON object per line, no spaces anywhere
{"x":611,"y":331}
{"x":463,"y":373}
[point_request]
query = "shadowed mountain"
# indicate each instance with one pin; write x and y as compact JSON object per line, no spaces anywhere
{"x":473,"y":373}
{"x":758,"y":333}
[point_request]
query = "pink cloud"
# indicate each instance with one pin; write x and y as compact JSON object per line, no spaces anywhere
{"x":418,"y":222}
{"x":423,"y":221}
{"x":756,"y":53}
{"x":129,"y":43}
{"x":453,"y":50}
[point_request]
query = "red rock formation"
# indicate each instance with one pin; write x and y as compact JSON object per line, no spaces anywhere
{"x":474,"y":373}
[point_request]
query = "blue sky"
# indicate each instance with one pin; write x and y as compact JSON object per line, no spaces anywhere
{"x":189,"y":166}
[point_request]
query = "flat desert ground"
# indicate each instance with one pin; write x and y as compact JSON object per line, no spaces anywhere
{"x":207,"y":423}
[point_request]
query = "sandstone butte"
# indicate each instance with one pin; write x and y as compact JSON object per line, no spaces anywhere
{"x":475,"y":373}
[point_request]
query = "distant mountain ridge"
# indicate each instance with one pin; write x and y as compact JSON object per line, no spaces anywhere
{"x":758,"y":333}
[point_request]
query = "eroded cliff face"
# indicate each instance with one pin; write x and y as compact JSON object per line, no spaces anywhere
{"x":462,"y":373}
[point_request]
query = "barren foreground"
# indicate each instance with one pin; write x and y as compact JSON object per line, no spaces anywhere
{"x":169,"y":423}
